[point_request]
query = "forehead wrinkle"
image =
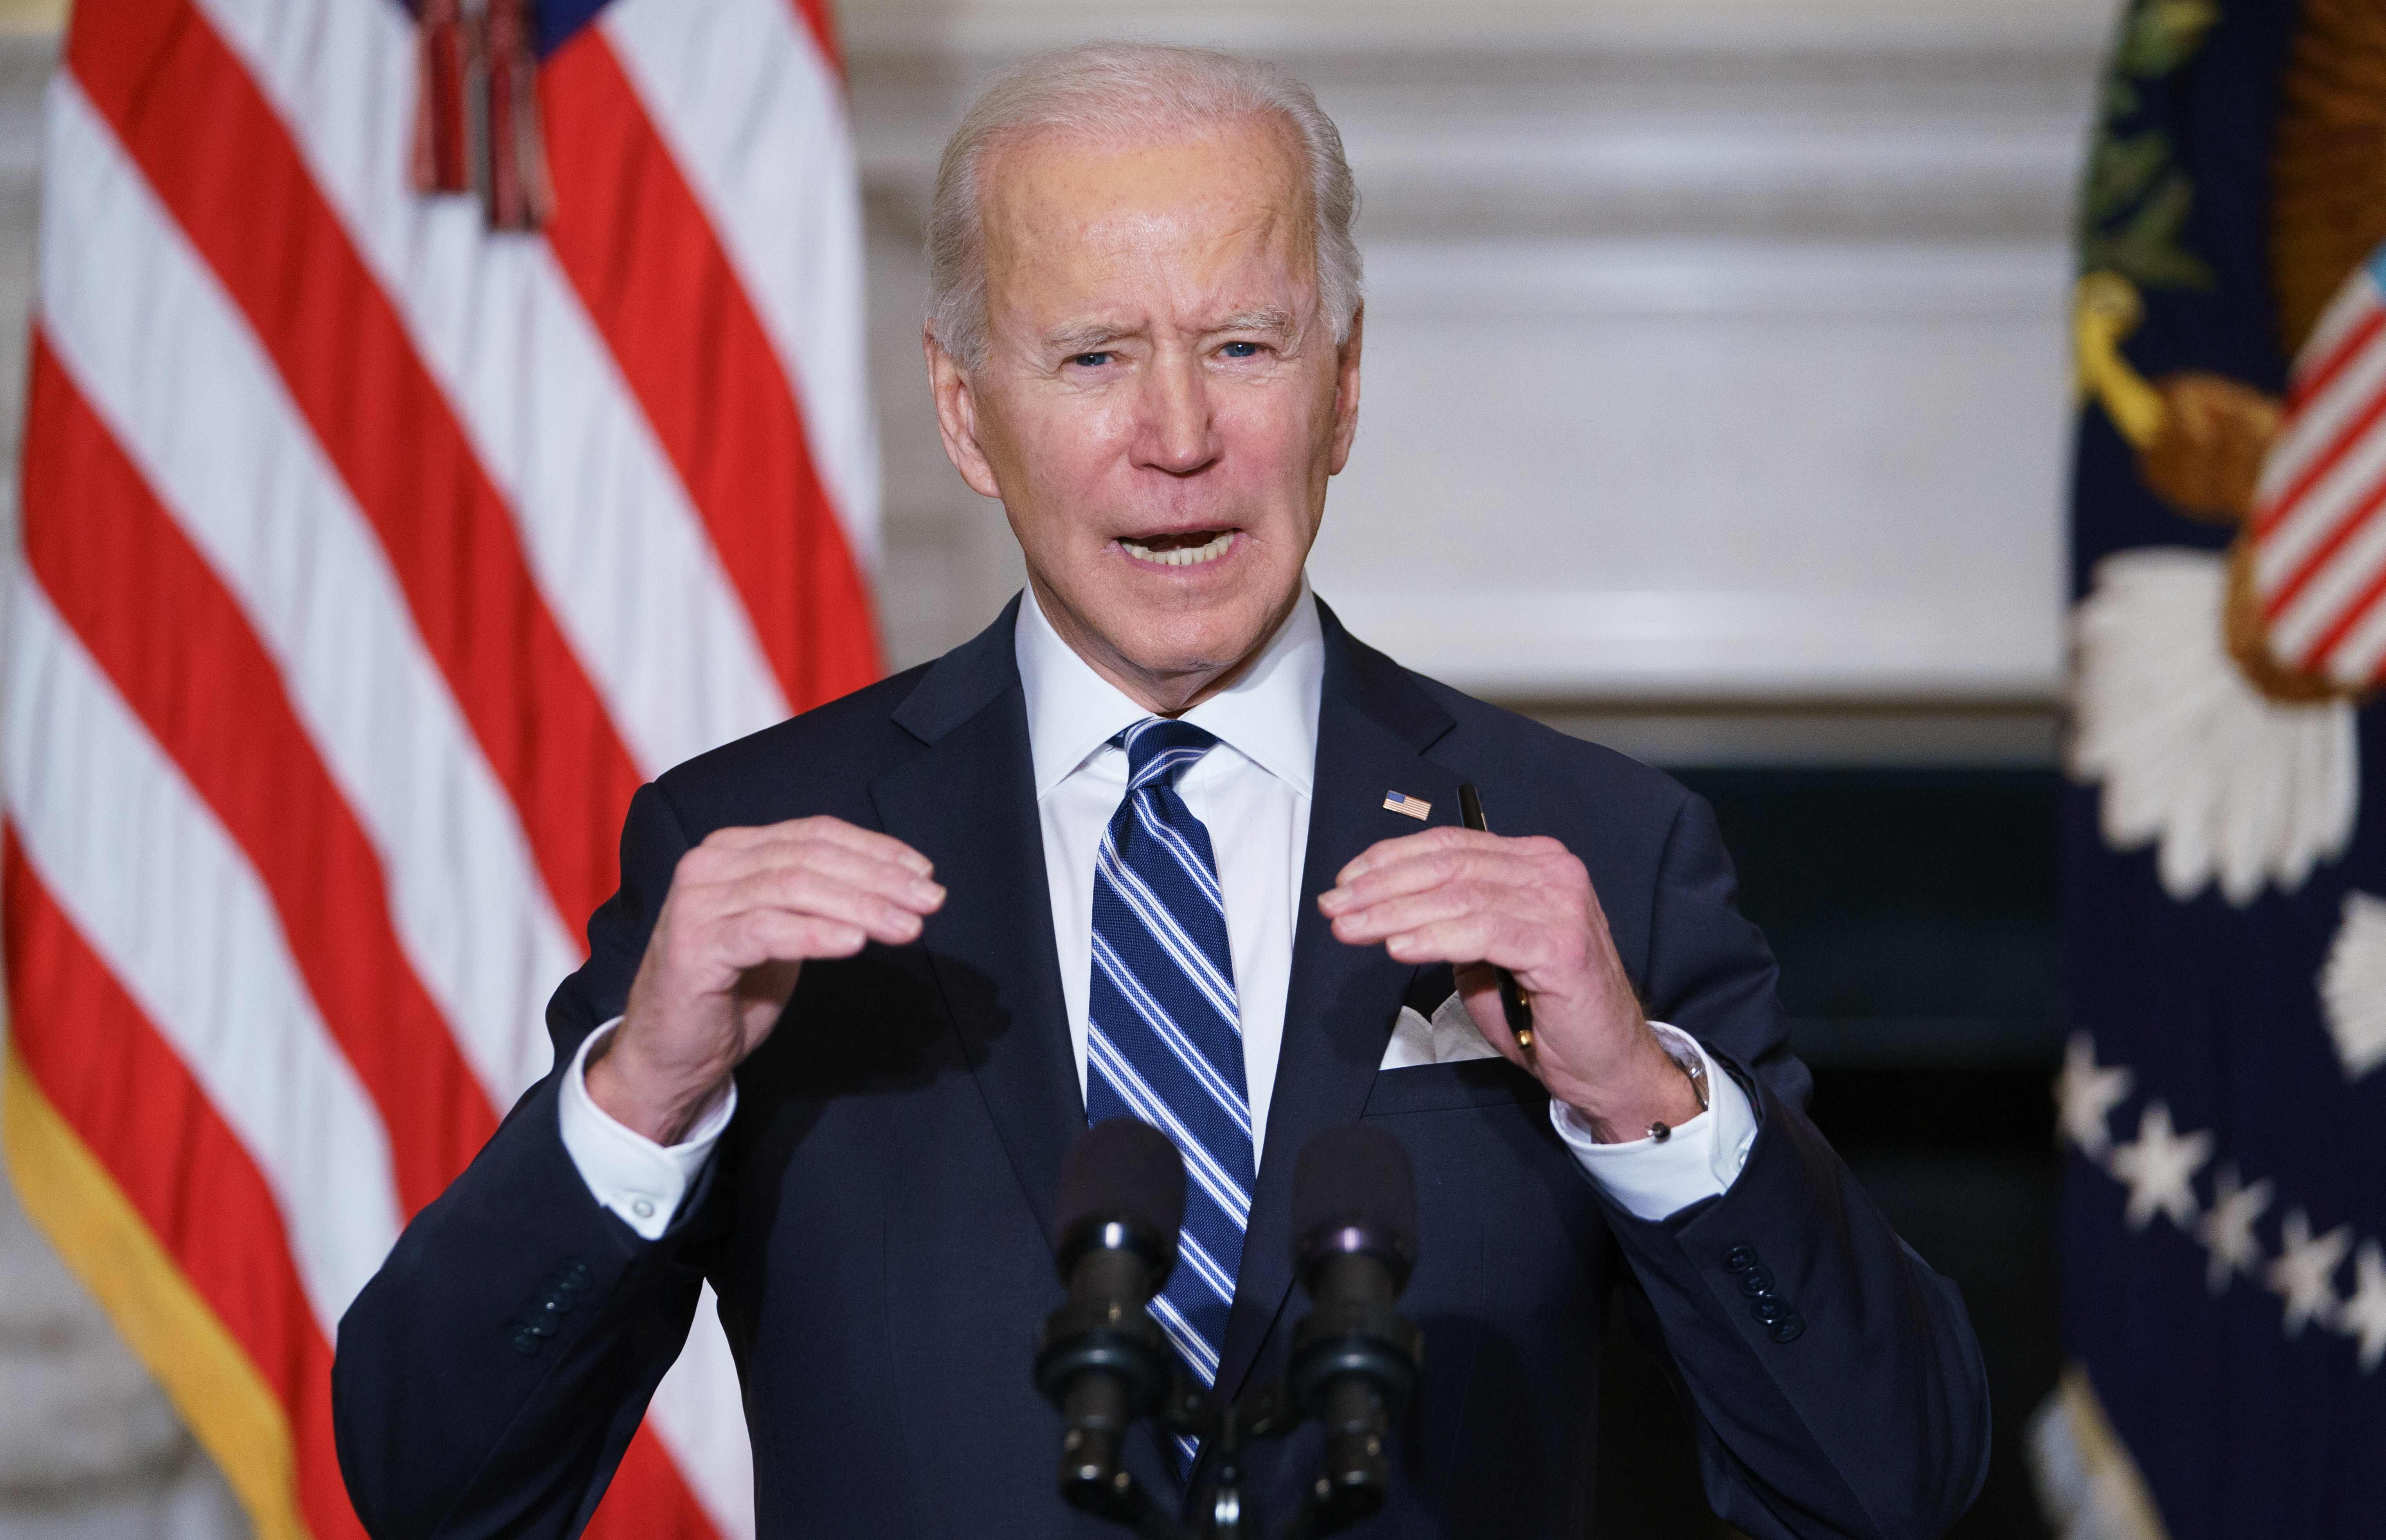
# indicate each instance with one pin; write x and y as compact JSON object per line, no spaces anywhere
{"x":1193,"y":250}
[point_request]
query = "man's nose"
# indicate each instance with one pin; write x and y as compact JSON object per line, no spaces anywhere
{"x":1175,"y":434}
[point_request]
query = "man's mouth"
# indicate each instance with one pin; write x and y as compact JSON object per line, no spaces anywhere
{"x":1191,"y":548}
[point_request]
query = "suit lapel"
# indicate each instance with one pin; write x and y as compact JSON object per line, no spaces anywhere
{"x":1374,"y":726}
{"x":968,"y":804}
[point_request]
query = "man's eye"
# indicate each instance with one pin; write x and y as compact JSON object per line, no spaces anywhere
{"x":1241,"y":350}
{"x":1091,"y":360}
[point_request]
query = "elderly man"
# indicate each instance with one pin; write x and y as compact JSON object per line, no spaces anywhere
{"x":1164,"y":840}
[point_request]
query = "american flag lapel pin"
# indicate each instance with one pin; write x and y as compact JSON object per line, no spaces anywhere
{"x":1401,"y":802}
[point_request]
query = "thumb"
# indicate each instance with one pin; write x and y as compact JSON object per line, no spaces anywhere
{"x":1479,"y":987}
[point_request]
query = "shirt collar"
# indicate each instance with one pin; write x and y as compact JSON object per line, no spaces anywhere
{"x":1269,"y":715}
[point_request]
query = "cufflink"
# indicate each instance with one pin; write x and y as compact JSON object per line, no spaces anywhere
{"x":1697,"y":1070}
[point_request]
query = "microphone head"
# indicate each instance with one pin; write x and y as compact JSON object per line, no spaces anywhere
{"x":1121,"y":1172}
{"x":1355,"y":1190}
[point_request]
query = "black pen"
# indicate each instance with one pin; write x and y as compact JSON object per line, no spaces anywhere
{"x":1514,"y":1001}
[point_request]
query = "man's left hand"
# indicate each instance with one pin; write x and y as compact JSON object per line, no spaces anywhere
{"x":1473,"y":899}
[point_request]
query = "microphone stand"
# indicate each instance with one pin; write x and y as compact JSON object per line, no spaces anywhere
{"x":1268,"y":1413}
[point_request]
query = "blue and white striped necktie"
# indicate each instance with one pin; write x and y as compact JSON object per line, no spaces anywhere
{"x":1163,"y":1034}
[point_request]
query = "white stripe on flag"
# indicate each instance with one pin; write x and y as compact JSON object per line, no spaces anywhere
{"x":699,"y":1417}
{"x":2352,"y":480}
{"x":2339,"y":583}
{"x":620,"y":554}
{"x":2355,"y":299}
{"x":755,"y":118}
{"x":2309,"y":433}
{"x":192,"y":401}
{"x":166,"y":899}
{"x":2356,"y":653}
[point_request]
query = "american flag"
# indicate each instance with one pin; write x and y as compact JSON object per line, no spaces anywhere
{"x":2320,"y":542}
{"x":378,"y":541}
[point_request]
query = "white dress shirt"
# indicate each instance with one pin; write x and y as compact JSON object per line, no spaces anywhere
{"x":1253,"y":793}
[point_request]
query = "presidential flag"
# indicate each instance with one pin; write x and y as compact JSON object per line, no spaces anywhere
{"x":2225,"y":842}
{"x":438,"y":425}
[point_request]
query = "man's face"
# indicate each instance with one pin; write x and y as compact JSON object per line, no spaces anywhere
{"x":1162,"y":400}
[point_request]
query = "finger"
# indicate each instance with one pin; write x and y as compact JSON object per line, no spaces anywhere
{"x":1431,"y":866}
{"x":803,"y":891}
{"x":870,"y":841}
{"x":822,"y":829}
{"x":1400,"y":865}
{"x":1478,"y":986}
{"x":1466,"y":938}
{"x":762,"y":937}
{"x":896,"y":883}
{"x":1406,"y":846}
{"x":1388,"y":917}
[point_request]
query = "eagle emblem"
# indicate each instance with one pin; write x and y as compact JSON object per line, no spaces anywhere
{"x":2212,"y":694}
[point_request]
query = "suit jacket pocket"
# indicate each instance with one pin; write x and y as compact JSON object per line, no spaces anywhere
{"x":1436,"y":1087}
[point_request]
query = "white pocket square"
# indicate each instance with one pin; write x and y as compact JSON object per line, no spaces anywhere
{"x":1449,"y":1037}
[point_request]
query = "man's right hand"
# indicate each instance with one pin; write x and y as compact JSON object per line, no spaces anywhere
{"x":746,"y":909}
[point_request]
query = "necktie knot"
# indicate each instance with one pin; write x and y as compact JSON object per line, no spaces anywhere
{"x":1160,"y":749}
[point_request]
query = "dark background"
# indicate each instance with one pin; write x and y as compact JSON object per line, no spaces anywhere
{"x":1914,"y":915}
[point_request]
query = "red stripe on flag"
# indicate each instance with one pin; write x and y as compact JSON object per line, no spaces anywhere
{"x":636,"y":244}
{"x":2306,"y":385}
{"x":2270,"y":518}
{"x":154,"y":617}
{"x":115,"y":1081}
{"x":2348,"y":524}
{"x":188,"y":114}
{"x":822,"y":22}
{"x":649,"y":1499}
{"x":2316,"y":657}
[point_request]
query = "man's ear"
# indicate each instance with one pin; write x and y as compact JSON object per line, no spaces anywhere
{"x":1345,"y":392}
{"x":956,"y":399}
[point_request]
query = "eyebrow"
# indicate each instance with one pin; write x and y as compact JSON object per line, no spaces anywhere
{"x":1095,"y":336}
{"x":1072,"y":340}
{"x":1267,"y":318}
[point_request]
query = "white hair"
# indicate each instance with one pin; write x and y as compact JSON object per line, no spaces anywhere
{"x":1108,"y":91}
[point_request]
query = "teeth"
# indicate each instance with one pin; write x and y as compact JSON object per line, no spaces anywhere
{"x":1184,"y":556}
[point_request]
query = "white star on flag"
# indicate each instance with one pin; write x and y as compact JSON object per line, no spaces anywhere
{"x":2226,"y":1229}
{"x":2087,"y":1096}
{"x":2364,"y":1315}
{"x":2302,"y":1274}
{"x":2160,"y":1168}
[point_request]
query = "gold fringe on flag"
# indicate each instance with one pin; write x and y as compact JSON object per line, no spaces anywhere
{"x":104,"y":1243}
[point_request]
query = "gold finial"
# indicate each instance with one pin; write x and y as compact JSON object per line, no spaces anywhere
{"x":2105,"y":308}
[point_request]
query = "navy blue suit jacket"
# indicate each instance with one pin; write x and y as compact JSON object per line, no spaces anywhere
{"x":875,"y":1219}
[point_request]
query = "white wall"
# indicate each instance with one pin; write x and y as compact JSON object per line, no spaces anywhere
{"x":1714,"y":352}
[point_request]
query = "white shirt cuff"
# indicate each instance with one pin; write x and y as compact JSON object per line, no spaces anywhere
{"x":626,"y":1171}
{"x":1700,"y":1159}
